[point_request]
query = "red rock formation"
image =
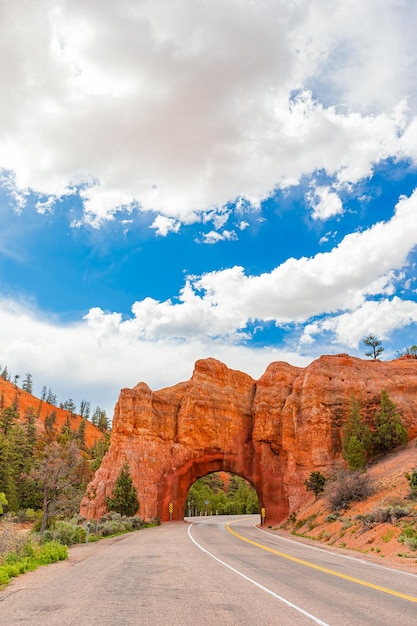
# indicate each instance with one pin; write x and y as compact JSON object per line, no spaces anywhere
{"x":273,"y":431}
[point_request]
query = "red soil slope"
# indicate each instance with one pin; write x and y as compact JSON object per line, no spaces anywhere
{"x":25,"y":400}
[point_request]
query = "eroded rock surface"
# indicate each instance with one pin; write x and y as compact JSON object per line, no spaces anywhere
{"x":273,"y":431}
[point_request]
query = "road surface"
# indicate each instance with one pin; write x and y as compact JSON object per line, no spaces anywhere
{"x":211,"y":571}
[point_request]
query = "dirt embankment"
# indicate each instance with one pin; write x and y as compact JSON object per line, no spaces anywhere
{"x":380,"y":541}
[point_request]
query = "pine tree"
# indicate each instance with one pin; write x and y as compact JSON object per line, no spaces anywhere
{"x":8,"y":417}
{"x":389,"y":431}
{"x":27,"y":384}
{"x":124,"y":499}
{"x":315,"y":482}
{"x":356,"y":438}
{"x":375,"y":346}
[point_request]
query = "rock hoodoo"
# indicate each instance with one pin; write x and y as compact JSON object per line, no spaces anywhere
{"x":273,"y":431}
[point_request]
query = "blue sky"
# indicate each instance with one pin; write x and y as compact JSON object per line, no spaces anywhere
{"x":181,"y":180}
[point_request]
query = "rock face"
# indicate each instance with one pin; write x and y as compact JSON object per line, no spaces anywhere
{"x":273,"y":431}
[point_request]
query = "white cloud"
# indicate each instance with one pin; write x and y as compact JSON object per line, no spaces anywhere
{"x":94,"y":360}
{"x":181,"y":108}
{"x":164,"y":225}
{"x":324,"y":202}
{"x":222,"y":303}
{"x":214,"y":236}
{"x":379,"y":318}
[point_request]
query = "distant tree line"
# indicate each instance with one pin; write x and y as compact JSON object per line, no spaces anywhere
{"x":210,"y":494}
{"x":98,"y":417}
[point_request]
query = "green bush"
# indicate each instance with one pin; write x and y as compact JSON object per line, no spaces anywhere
{"x":66,"y":533}
{"x":409,"y":537}
{"x":36,"y":555}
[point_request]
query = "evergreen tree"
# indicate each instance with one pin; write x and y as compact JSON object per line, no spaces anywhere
{"x":103,"y":423}
{"x":68,"y":405}
{"x":375,"y":346}
{"x":124,"y":499}
{"x":85,"y":409}
{"x":7,"y":476}
{"x":8,"y":417}
{"x":389,"y":431}
{"x":27,"y":384}
{"x":315,"y":482}
{"x":356,"y":438}
{"x":50,"y":397}
{"x":80,"y":436}
{"x":98,"y":451}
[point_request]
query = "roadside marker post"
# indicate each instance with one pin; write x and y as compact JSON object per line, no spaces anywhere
{"x":170,"y":509}
{"x":262,"y":516}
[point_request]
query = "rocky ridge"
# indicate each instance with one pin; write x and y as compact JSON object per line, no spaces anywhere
{"x":273,"y":431}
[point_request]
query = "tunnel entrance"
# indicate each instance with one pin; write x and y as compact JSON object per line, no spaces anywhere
{"x":221,"y":493}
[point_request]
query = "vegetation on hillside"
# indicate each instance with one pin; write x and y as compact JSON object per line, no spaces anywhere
{"x":44,"y":470}
{"x":211,"y":494}
{"x":365,"y":439}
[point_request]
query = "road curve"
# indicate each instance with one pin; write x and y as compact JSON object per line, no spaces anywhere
{"x":212,"y":570}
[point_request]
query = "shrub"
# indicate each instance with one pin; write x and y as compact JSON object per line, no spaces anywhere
{"x":409,"y":537}
{"x":11,"y":538}
{"x":413,"y":484}
{"x":65,"y":533}
{"x":348,"y":487}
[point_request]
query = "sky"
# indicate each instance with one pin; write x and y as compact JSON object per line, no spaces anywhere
{"x":182,"y":180}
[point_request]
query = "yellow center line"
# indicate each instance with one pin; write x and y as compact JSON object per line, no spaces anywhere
{"x":358,"y":581}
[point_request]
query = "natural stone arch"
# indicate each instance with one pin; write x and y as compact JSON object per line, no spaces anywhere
{"x":274,"y":432}
{"x":176,"y":486}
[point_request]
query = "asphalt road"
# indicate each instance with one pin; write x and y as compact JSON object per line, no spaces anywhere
{"x":211,"y":571}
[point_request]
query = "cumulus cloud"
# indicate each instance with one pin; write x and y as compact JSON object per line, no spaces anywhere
{"x":324,"y":202}
{"x":95,"y":359}
{"x":221,"y":303}
{"x":179,"y":108}
{"x":164,"y":225}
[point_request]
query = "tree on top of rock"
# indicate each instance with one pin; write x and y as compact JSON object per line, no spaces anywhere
{"x":375,"y":346}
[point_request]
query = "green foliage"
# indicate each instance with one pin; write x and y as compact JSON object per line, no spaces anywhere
{"x":356,"y":438}
{"x":389,"y":431}
{"x":409,"y":537}
{"x":65,"y":532}
{"x":98,"y":451}
{"x":3,"y":501}
{"x":238,"y":497}
{"x":412,"y":480}
{"x":383,"y":514}
{"x":30,"y":558}
{"x":124,"y":499}
{"x":315,"y":483}
{"x":375,"y":346}
{"x":27,"y":383}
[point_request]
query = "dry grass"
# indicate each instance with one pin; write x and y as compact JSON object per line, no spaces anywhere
{"x":12,"y":537}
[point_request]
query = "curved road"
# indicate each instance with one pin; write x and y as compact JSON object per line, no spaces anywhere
{"x":213,"y":570}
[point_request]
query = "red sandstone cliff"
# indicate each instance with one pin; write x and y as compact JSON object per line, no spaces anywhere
{"x":273,"y":431}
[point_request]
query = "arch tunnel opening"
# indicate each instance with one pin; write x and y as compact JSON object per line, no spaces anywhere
{"x":221,"y":493}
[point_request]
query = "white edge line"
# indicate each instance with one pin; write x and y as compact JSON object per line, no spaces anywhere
{"x":272,"y":593}
{"x":337,"y":554}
